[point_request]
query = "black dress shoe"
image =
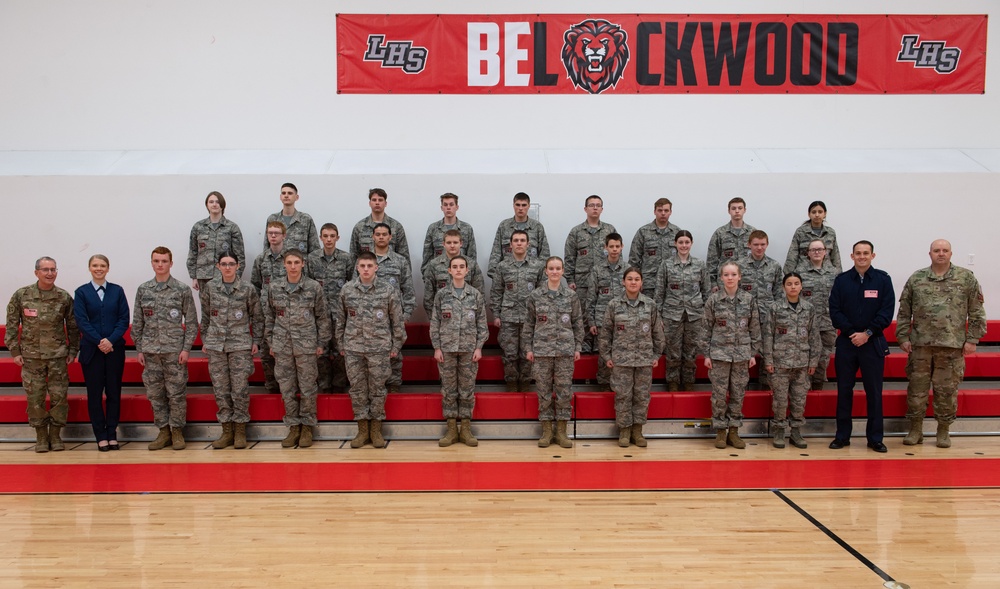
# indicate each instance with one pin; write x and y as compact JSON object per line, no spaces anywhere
{"x":114,"y":446}
{"x":103,"y":448}
{"x":878,"y":447}
{"x":838,"y":444}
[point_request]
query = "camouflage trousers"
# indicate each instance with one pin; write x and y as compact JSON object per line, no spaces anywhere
{"x":395,"y":371}
{"x":515,"y":366}
{"x":166,"y":388}
{"x":631,"y":385}
{"x":603,"y":372}
{"x":46,"y":377}
{"x":589,"y":341}
{"x":942,"y":367}
{"x":554,"y":377}
{"x":829,"y":341}
{"x":296,"y":375}
{"x":789,"y":384}
{"x":728,"y":378}
{"x":683,"y":341}
{"x":330,"y":366}
{"x":267,"y":363}
{"x":230,"y":373}
{"x":458,"y":385}
{"x":368,"y":374}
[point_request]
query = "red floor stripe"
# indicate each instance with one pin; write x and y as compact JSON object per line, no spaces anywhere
{"x":499,"y":476}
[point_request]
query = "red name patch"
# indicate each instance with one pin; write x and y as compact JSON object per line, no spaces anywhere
{"x":542,"y":318}
{"x":446,"y":314}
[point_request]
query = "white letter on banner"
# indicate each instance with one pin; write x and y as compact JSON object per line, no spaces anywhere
{"x":490,"y":56}
{"x":513,"y":55}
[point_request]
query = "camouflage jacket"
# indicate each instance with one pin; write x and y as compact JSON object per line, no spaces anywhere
{"x":554,"y":325}
{"x":727,"y":244}
{"x":207,"y":243}
{"x":682,"y":288}
{"x":604,"y":284}
{"x":370,"y":319}
{"x":434,"y":241}
{"x":513,"y":282}
{"x":48,"y":327}
{"x":933,"y":310}
{"x":732,"y":327}
{"x":632,"y":334}
{"x":395,"y":270}
{"x":790,"y":335}
{"x":295,"y":317}
{"x":300,"y":233}
{"x":458,"y":323}
{"x":164,"y":320}
{"x":650,"y":247}
{"x":798,"y":251}
{"x":816,"y":286}
{"x":332,"y":273}
{"x":585,"y":248}
{"x":230,"y":321}
{"x":361,"y":237}
{"x":267,"y":266}
{"x":761,"y":279}
{"x":436,"y":277}
{"x":538,"y":245}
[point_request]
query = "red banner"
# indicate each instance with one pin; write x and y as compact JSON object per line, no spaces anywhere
{"x":656,"y":53}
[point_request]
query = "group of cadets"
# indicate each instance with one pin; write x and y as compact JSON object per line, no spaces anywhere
{"x":325,"y":319}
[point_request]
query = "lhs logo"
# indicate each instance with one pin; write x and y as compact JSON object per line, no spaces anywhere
{"x":595,"y":54}
{"x":932,"y":54}
{"x":396,"y":54}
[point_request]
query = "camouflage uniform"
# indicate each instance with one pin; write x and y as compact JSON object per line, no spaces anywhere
{"x":792,"y":345}
{"x":553,"y":332}
{"x":434,"y":242}
{"x":585,"y":248}
{"x":816,"y":286}
{"x":513,"y":282}
{"x":267,"y":266}
{"x":208,"y":242}
{"x":370,"y":327}
{"x":932,"y":317}
{"x":458,"y":328}
{"x":48,"y":337}
{"x":231,"y":323}
{"x":296,"y":322}
{"x":332,"y":273}
{"x":164,"y":324}
{"x":798,"y":251}
{"x":300,"y":232}
{"x":732,"y":337}
{"x":436,"y":277}
{"x":762,"y":279}
{"x":604,"y":284}
{"x":681,"y":291}
{"x":361,"y":237}
{"x":632,"y":337}
{"x":727,"y":244}
{"x":394,"y":269}
{"x":538,"y":245}
{"x":650,"y":247}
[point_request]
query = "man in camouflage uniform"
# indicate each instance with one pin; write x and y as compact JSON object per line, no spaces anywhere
{"x":437,"y":273}
{"x":232,"y":326}
{"x":940,"y":321}
{"x":300,"y":230}
{"x":164,"y":326}
{"x":210,"y":237}
{"x":817,"y":280}
{"x":604,"y":284}
{"x":729,"y":242}
{"x":761,"y":277}
{"x":361,"y":236}
{"x":268,"y":266}
{"x":515,"y":277}
{"x":653,"y":243}
{"x":394,"y":269}
{"x":370,"y":332}
{"x":48,"y":342}
{"x":332,"y":269}
{"x":538,"y":244}
{"x":434,"y":245}
{"x":584,"y":248}
{"x":458,"y":332}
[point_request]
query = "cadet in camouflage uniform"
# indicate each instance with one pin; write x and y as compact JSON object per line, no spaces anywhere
{"x":48,"y":342}
{"x":164,"y":327}
{"x":232,"y":326}
{"x":585,"y":248}
{"x":761,"y":277}
{"x":514,"y":280}
{"x":361,"y":236}
{"x":653,"y":243}
{"x":729,"y":242}
{"x":437,"y":272}
{"x":940,"y":321}
{"x":332,"y":269}
{"x":370,"y":331}
{"x":732,"y":335}
{"x":211,"y":237}
{"x":300,"y":230}
{"x":269,"y":266}
{"x":604,"y":284}
{"x":458,"y":332}
{"x":681,"y":290}
{"x":817,"y":281}
{"x":538,"y":245}
{"x":791,"y":352}
{"x":434,"y":240}
{"x":394,"y":269}
{"x":297,"y":325}
{"x":632,"y":339}
{"x":814,"y":228}
{"x":553,"y":336}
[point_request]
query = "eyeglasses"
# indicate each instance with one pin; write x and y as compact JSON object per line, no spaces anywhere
{"x":47,"y":270}
{"x":816,"y":249}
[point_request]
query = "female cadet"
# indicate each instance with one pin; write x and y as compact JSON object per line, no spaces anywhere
{"x":631,"y":337}
{"x":791,"y":352}
{"x":817,"y":280}
{"x":553,"y":336}
{"x":814,"y":228}
{"x":732,"y":331}
{"x":682,"y":286}
{"x":211,"y":237}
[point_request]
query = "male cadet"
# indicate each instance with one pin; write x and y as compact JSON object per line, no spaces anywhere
{"x":653,"y":243}
{"x":395,"y":270}
{"x":761,"y":277}
{"x":48,"y":342}
{"x":515,"y":277}
{"x":164,"y":325}
{"x":269,"y":266}
{"x":584,"y":247}
{"x":729,"y":242}
{"x":861,"y":303}
{"x":300,"y":230}
{"x":437,"y":273}
{"x":370,"y":332}
{"x":539,"y":245}
{"x":604,"y":284}
{"x":941,"y":319}
{"x":332,"y":268}
{"x":361,"y":237}
{"x":434,"y":241}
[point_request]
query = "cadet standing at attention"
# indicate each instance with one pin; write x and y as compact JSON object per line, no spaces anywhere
{"x":761,"y":277}
{"x":48,"y":342}
{"x":817,"y":280}
{"x":300,"y":230}
{"x":434,"y":240}
{"x":394,"y":269}
{"x":268,"y":266}
{"x":814,"y":228}
{"x":437,"y":272}
{"x":332,"y":269}
{"x":515,"y":277}
{"x":605,"y":283}
{"x":729,"y":242}
{"x":653,"y":243}
{"x":361,"y":236}
{"x":585,"y":248}
{"x":539,"y":245}
{"x":210,"y":237}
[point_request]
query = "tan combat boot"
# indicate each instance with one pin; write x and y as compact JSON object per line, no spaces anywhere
{"x":465,"y":434}
{"x":239,"y":436}
{"x":451,"y":436}
{"x":362,"y":436}
{"x":546,"y":439}
{"x":720,"y":439}
{"x":734,"y":439}
{"x":779,"y":437}
{"x":796,"y":439}
{"x":624,"y":433}
{"x":637,"y":436}
{"x":375,"y":430}
{"x":916,"y":435}
{"x":561,"y":438}
{"x":305,"y":436}
{"x":292,"y":438}
{"x":177,"y":438}
{"x":226,"y":439}
{"x":55,"y":440}
{"x":162,"y":439}
{"x":41,"y":438}
{"x":943,"y":439}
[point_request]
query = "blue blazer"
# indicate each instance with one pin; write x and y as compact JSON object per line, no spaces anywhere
{"x":99,"y":319}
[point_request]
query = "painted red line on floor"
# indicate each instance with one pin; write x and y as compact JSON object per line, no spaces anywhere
{"x":499,"y":476}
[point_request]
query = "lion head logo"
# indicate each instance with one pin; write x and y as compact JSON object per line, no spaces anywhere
{"x":595,"y":54}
